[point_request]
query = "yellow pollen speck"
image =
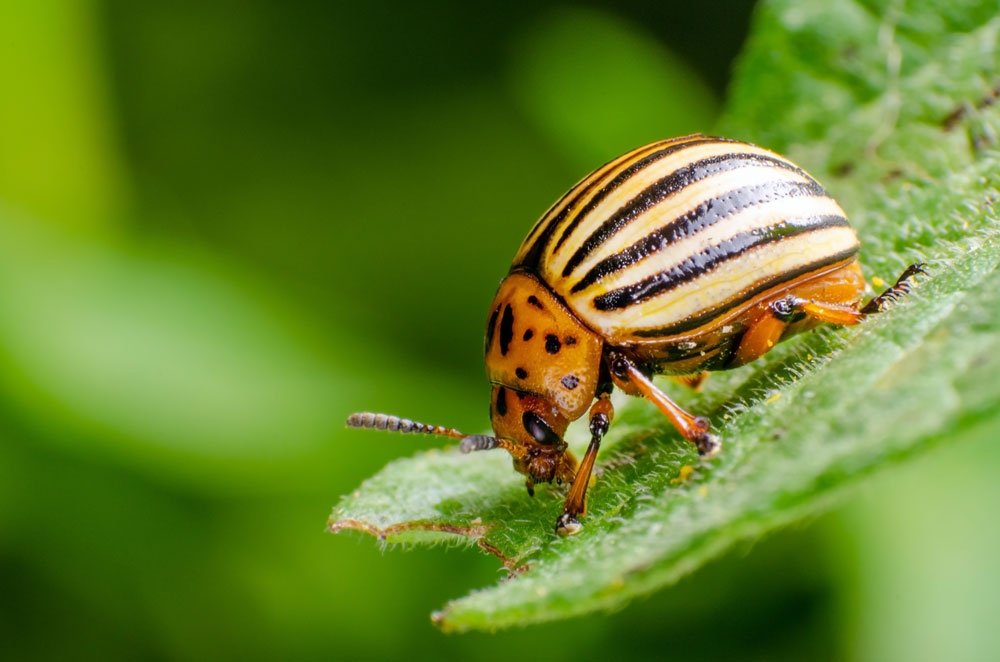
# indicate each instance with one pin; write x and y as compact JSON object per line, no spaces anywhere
{"x":877,"y":282}
{"x":774,"y":397}
{"x":770,"y":343}
{"x":682,"y":475}
{"x":703,"y":491}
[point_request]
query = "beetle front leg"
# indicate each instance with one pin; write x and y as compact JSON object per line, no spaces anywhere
{"x":601,"y":414}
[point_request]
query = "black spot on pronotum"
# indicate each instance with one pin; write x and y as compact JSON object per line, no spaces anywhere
{"x":570,"y":382}
{"x":533,"y":300}
{"x":502,"y":401}
{"x":528,"y":335}
{"x":539,"y":429}
{"x":491,"y":327}
{"x":569,"y":340}
{"x":521,"y":373}
{"x":552,"y":344}
{"x":506,"y":329}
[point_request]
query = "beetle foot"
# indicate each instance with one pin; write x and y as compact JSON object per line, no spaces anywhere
{"x":903,"y":286}
{"x":708,"y":445}
{"x":567,"y":525}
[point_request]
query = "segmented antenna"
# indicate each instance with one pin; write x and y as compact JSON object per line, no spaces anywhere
{"x":471,"y":442}
{"x":478,"y":442}
{"x":368,"y":419}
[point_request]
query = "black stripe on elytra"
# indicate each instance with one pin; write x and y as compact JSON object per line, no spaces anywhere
{"x":744,"y":296}
{"x":704,"y":215}
{"x":622,"y":177}
{"x":534,"y":253}
{"x":546,"y":220}
{"x":506,"y":329}
{"x":670,"y":185}
{"x":702,"y":262}
{"x":538,"y":237}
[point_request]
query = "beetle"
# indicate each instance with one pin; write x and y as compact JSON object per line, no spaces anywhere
{"x":679,"y":257}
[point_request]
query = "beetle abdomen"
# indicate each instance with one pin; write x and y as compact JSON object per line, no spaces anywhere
{"x":675,"y":234}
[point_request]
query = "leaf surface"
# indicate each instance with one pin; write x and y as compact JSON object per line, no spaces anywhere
{"x":891,"y":106}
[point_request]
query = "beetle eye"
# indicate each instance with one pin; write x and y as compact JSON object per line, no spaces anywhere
{"x":539,"y":429}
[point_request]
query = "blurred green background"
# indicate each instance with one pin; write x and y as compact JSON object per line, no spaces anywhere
{"x":224,"y":226}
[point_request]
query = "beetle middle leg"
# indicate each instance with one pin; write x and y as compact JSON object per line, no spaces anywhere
{"x":693,"y":428}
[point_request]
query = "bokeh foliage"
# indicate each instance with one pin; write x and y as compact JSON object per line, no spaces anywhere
{"x":226,"y":225}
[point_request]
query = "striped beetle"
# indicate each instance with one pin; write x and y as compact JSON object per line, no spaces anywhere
{"x":683,"y":256}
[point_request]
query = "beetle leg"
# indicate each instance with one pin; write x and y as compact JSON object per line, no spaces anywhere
{"x":759,"y":338}
{"x":764,"y":333}
{"x":900,"y":288}
{"x":693,"y":428}
{"x":601,"y":414}
{"x":693,"y":381}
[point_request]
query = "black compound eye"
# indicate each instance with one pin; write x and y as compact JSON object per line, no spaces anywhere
{"x":539,"y":429}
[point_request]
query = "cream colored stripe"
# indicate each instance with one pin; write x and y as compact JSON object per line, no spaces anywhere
{"x":606,"y":172}
{"x":675,"y":205}
{"x":752,"y":218}
{"x":727,"y":280}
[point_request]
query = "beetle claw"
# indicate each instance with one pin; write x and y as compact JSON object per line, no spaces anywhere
{"x":567,"y":525}
{"x":708,"y":445}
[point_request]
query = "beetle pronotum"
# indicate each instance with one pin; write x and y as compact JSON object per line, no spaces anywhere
{"x":682,"y":256}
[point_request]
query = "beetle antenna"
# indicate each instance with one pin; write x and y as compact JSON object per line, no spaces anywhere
{"x":389,"y":423}
{"x":471,"y":442}
{"x":479,"y":442}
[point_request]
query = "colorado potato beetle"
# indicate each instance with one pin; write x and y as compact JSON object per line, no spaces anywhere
{"x":683,"y":256}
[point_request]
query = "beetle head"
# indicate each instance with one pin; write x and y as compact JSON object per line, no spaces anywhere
{"x":531,"y":429}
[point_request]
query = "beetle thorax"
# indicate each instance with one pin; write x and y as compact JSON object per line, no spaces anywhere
{"x":534,"y":344}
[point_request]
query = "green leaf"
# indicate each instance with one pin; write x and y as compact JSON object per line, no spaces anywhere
{"x":891,"y":106}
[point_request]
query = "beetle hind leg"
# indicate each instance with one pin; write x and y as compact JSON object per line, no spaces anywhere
{"x":767,"y":330}
{"x":900,"y":288}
